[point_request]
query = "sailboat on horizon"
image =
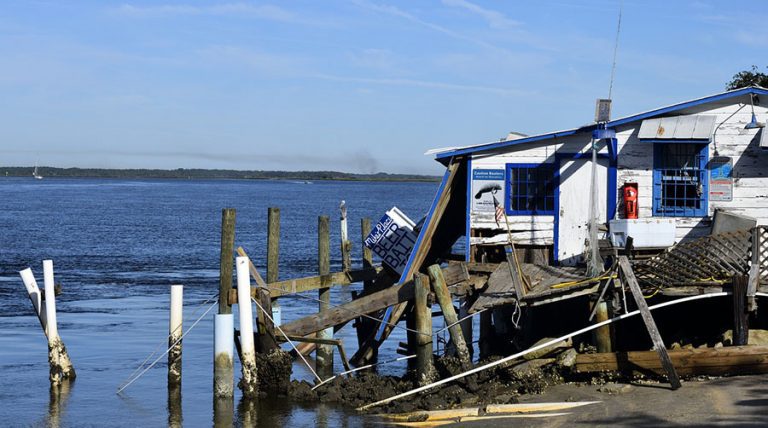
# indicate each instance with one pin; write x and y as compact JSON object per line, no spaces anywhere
{"x":36,"y":174}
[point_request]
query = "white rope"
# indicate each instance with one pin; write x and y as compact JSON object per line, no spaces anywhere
{"x":361,"y":368}
{"x":126,"y":385}
{"x":160,"y":345}
{"x":286,"y":338}
{"x":537,"y":347}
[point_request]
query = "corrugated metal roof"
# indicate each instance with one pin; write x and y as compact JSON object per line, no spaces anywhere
{"x":689,"y":127}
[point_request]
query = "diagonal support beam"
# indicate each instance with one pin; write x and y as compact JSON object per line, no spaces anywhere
{"x":629,"y":278}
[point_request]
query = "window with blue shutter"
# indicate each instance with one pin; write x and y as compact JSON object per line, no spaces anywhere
{"x":530,"y":189}
{"x":680,"y":184}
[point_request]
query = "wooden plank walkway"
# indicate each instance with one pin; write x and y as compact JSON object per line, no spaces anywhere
{"x":501,"y":290}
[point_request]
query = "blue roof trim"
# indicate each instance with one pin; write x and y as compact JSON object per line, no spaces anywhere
{"x":501,"y":144}
{"x":688,"y":104}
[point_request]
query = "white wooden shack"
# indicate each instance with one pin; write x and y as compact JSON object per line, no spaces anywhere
{"x":687,"y":160}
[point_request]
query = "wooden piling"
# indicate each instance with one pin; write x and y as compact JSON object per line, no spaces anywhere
{"x":443,"y":297}
{"x":273,"y":244}
{"x":249,"y":383}
{"x":346,"y":245}
{"x":227,"y":254}
{"x":365,"y":326}
{"x":422,"y":311}
{"x":740,"y":314}
{"x":267,"y":340}
{"x":223,"y":358}
{"x":324,"y":352}
{"x":602,"y":334}
{"x":174,"y":334}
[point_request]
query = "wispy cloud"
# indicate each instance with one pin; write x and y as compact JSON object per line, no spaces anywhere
{"x":494,"y":18}
{"x":397,"y":12}
{"x":265,"y":11}
{"x":424,"y":84}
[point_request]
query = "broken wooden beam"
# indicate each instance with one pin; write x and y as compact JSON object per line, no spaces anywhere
{"x":443,"y":298}
{"x":416,"y":260}
{"x":688,"y":362}
{"x":364,"y":305}
{"x":629,"y":278}
{"x":298,"y":285}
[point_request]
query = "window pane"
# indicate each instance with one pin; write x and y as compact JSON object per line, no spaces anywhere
{"x":531,"y":189}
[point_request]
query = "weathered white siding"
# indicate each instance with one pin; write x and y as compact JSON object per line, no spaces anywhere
{"x":635,"y":164}
{"x":750,"y":165}
{"x":527,"y":229}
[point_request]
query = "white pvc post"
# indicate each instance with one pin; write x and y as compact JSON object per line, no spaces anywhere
{"x":248,"y":357}
{"x":60,"y":364}
{"x":34,"y":295}
{"x":50,"y":301}
{"x":223,"y":357}
{"x":174,"y":334}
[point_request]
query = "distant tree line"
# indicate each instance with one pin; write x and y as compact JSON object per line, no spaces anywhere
{"x":182,"y":173}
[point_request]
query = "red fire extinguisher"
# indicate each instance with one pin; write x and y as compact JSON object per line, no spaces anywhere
{"x":630,"y":200}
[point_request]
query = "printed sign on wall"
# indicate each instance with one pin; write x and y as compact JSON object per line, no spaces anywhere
{"x":721,"y":179}
{"x":487,"y":183}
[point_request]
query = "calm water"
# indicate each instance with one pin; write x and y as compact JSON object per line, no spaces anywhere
{"x":117,"y":245}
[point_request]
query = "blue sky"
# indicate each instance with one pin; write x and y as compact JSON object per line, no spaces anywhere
{"x":353,"y":85}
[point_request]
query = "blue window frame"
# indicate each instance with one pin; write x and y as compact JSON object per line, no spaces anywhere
{"x":680,"y":185}
{"x":530,"y":189}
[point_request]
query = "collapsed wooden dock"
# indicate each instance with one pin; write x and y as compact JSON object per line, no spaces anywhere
{"x":733,"y":263}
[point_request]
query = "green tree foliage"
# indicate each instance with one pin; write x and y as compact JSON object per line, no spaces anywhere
{"x":748,"y":78}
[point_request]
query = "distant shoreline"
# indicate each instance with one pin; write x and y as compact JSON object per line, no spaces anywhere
{"x":210,"y":174}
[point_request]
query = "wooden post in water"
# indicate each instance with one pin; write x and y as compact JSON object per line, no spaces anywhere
{"x":740,"y":314}
{"x":346,"y":245}
{"x":443,"y":297}
{"x":61,"y":368}
{"x":174,"y":334}
{"x":365,"y":326}
{"x":267,"y":341}
{"x":324,"y":352}
{"x":227,"y":254}
{"x":273,"y":257}
{"x":273,"y":244}
{"x":425,"y":368}
{"x":249,"y":383}
{"x":223,"y":340}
